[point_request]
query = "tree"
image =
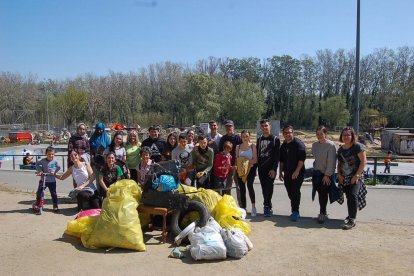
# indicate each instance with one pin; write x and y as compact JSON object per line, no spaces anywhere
{"x":334,"y":112}
{"x":72,"y":104}
{"x":243,"y":102}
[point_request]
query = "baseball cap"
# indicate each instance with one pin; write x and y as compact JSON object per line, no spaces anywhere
{"x":228,"y":123}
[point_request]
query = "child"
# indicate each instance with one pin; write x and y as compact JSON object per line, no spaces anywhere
{"x":182,"y":153}
{"x":51,"y":166}
{"x":144,"y":166}
{"x":387,"y":162}
{"x":202,"y":162}
{"x":222,"y":166}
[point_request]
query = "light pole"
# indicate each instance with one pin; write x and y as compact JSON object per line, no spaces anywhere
{"x":356,"y":126}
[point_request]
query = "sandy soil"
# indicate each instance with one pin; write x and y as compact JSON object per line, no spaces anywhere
{"x":36,"y":245}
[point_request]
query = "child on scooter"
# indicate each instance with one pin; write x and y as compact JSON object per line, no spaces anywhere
{"x":50,"y":167}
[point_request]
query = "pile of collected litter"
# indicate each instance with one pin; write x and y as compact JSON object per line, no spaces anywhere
{"x":214,"y":225}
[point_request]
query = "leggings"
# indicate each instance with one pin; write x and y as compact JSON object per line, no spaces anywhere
{"x":242,"y":186}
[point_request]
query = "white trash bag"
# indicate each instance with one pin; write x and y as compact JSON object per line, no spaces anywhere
{"x":206,"y":244}
{"x":237,"y":243}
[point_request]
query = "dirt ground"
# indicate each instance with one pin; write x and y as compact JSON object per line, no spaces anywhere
{"x":36,"y":245}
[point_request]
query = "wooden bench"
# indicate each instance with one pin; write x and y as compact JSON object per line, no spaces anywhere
{"x":27,"y":167}
{"x":157,"y":211}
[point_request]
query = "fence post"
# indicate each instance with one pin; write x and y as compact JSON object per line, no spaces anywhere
{"x":375,"y":171}
{"x":14,"y":164}
{"x":63,"y":167}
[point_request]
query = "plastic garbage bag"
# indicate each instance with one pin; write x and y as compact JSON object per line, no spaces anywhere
{"x":90,"y":213}
{"x":227,"y":214}
{"x":206,"y":244}
{"x":119,"y":224}
{"x":235,"y":242}
{"x":81,"y":226}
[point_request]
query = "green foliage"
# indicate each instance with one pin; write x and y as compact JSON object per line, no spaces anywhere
{"x":71,"y":104}
{"x":372,"y":118}
{"x":243,"y":102}
{"x":334,"y":112}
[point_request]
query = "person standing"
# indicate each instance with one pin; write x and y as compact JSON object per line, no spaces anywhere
{"x":203,"y":157}
{"x":351,"y":164}
{"x":268,"y":154}
{"x":387,"y":162}
{"x":324,"y":152}
{"x":155,"y":143}
{"x":292,"y":168}
{"x":235,"y":140}
{"x":182,"y":153}
{"x":99,"y":140}
{"x":214,"y":137}
{"x":246,"y":160}
{"x":133,"y":158}
{"x":79,"y":143}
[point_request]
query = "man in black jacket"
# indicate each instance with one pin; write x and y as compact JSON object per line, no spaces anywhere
{"x":292,"y":168}
{"x":155,"y":143}
{"x":268,"y":159}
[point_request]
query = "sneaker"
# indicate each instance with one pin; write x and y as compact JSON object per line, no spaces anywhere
{"x":267,"y":212}
{"x":56,"y":209}
{"x":254,"y":212}
{"x":349,"y":225}
{"x":322,"y":218}
{"x":346,"y":220}
{"x":294,"y":216}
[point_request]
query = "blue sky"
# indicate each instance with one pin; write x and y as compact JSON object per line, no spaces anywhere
{"x":61,"y":39}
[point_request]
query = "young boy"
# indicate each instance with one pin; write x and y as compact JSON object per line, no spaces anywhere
{"x":182,"y":153}
{"x":50,"y":166}
{"x":222,"y":166}
{"x":202,"y":162}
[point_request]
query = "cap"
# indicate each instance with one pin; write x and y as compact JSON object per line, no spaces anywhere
{"x":228,"y":123}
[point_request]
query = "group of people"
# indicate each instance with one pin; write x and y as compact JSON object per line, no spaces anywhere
{"x":215,"y":161}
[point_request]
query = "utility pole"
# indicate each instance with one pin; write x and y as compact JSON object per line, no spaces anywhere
{"x":356,"y":125}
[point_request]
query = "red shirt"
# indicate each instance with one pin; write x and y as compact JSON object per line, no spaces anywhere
{"x":221,"y":160}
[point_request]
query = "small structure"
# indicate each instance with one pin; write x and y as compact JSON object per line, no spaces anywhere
{"x":403,"y":143}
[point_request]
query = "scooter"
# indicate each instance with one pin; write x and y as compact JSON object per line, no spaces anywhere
{"x":38,"y":208}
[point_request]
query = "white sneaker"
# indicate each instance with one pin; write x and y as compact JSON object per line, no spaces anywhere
{"x":254,"y":212}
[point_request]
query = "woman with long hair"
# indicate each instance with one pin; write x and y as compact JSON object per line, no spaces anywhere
{"x":82,"y":173}
{"x":133,"y":158}
{"x":246,"y":160}
{"x":172,"y":143}
{"x":351,"y":164}
{"x":324,"y":152}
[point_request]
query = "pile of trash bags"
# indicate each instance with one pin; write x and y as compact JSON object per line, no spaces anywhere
{"x":213,"y":242}
{"x":117,"y":225}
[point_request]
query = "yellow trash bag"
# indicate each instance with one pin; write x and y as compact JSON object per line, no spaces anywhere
{"x":208,"y":197}
{"x":80,"y":226}
{"x":227,"y":214}
{"x":119,"y":224}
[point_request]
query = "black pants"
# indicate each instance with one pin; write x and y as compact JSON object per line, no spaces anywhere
{"x":249,"y":183}
{"x":267,"y":187}
{"x":86,"y":200}
{"x":323,"y":190}
{"x":52,"y":189}
{"x":351,"y":192}
{"x":133,"y":174}
{"x":293,"y":190}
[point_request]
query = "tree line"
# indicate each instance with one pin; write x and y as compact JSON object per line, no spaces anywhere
{"x":304,"y":92}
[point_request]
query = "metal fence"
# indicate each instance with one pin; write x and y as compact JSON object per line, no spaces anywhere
{"x":17,"y":163}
